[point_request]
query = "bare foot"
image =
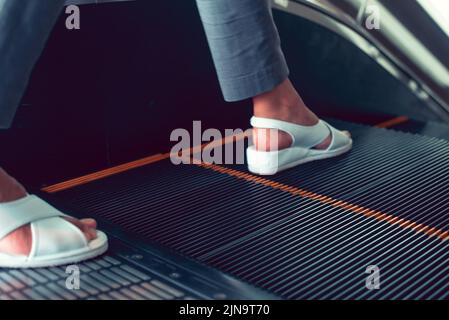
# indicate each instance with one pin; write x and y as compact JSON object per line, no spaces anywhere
{"x":283,"y":103}
{"x":19,"y":241}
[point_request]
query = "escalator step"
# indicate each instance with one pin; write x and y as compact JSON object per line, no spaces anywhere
{"x":309,"y":232}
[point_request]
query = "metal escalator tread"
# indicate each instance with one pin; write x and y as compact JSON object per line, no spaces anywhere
{"x":294,"y":246}
{"x":288,"y":243}
{"x":18,"y":285}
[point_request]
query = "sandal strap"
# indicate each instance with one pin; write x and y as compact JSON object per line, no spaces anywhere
{"x":16,"y":214}
{"x":303,"y":136}
{"x":339,"y":139}
{"x":54,"y":236}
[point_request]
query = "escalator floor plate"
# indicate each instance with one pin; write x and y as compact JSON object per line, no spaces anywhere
{"x":131,"y":270}
{"x":307,"y":233}
{"x":107,"y":278}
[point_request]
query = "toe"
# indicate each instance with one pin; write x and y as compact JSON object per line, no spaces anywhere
{"x":87,"y":226}
{"x":91,"y":234}
{"x":91,"y":223}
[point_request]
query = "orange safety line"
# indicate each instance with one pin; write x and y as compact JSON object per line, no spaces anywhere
{"x":138,"y":163}
{"x":378,"y":215}
{"x":158,"y":157}
{"x":104,"y":173}
{"x":392,"y":122}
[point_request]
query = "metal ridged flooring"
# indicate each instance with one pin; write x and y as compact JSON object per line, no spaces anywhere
{"x":105,"y":278}
{"x":300,"y":247}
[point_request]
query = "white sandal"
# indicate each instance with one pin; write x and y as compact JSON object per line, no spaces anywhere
{"x":55,"y":241}
{"x":304,"y":138}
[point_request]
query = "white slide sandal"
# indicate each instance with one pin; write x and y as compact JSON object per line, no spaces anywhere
{"x":301,"y":151}
{"x":55,"y":241}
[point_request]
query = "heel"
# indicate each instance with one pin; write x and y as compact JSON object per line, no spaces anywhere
{"x":262,"y":162}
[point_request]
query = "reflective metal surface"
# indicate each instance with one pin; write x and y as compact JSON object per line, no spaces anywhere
{"x":393,"y":46}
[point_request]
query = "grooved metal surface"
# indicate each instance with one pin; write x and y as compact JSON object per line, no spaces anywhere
{"x":296,"y":246}
{"x":106,"y":278}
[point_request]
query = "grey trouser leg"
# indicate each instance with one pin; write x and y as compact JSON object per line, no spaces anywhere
{"x":242,"y":36}
{"x":245,"y":46}
{"x":24,"y":28}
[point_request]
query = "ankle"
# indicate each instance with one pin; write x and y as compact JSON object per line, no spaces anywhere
{"x":10,"y":189}
{"x":283,"y":103}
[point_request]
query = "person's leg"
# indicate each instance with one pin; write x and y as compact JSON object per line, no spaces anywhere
{"x":24,"y":28}
{"x":246,"y":50}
